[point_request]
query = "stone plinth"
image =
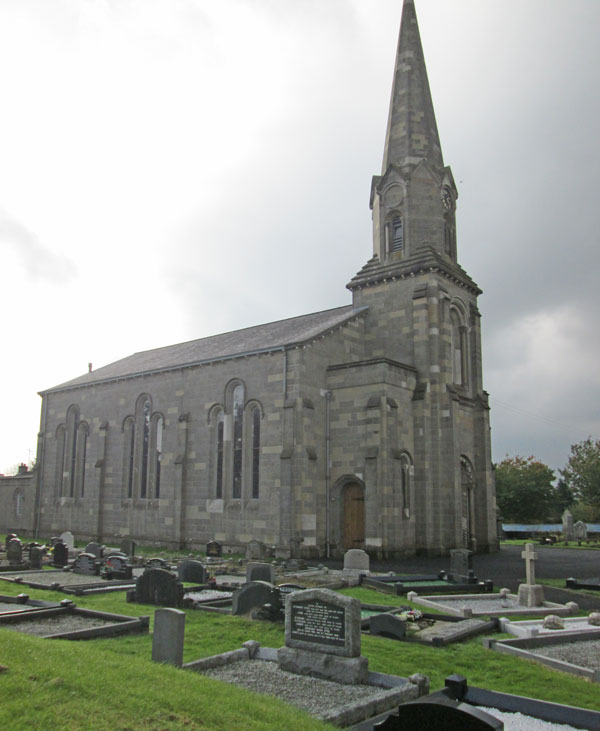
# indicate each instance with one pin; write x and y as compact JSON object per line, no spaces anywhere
{"x":531,"y":595}
{"x":350,"y":670}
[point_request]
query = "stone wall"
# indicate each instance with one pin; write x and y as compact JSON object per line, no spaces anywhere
{"x":17,"y":503}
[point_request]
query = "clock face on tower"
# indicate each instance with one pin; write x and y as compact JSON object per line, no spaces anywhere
{"x":447,"y":200}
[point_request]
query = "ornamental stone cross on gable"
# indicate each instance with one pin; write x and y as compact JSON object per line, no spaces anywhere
{"x":530,"y":557}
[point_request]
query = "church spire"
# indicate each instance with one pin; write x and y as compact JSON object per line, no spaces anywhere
{"x":412,"y":133}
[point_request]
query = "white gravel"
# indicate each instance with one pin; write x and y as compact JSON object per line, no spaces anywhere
{"x":519,"y":722}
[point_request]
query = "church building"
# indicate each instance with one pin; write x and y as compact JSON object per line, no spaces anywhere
{"x":365,"y":426}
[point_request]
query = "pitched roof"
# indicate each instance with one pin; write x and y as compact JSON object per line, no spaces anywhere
{"x":248,"y":341}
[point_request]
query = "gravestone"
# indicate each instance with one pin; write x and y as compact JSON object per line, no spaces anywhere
{"x":387,"y":625}
{"x":256,"y":551}
{"x":36,"y":555}
{"x":167,"y":638}
{"x":290,"y":588}
{"x":158,"y":563}
{"x":116,"y":567}
{"x":530,"y":593}
{"x":260,"y":572}
{"x":214,"y":549}
{"x":461,"y":566}
{"x":60,"y":554}
{"x":95,"y":549}
{"x":580,"y":531}
{"x":356,"y":561}
{"x":440,"y":712}
{"x":567,"y":525}
{"x":255,"y":595}
{"x":68,"y":539}
{"x":86,"y":563}
{"x":8,"y":539}
{"x":14,"y":552}
{"x":160,"y":587}
{"x":322,"y":637}
{"x":127,"y":546}
{"x":191,"y":571}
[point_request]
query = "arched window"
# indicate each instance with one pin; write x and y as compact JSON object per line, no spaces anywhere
{"x":128,"y":452}
{"x":82,"y":440}
{"x":145,"y":449}
{"x":405,"y":483}
{"x":255,"y":419}
{"x":467,"y":485}
{"x":238,"y":439}
{"x":458,"y":349}
{"x":19,"y":500}
{"x":60,"y":459}
{"x":220,"y":448}
{"x":394,"y":233}
{"x":70,"y":451}
{"x":156,"y":452}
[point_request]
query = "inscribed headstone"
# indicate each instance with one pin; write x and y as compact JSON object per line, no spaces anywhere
{"x":255,"y":551}
{"x":387,"y":625}
{"x":60,"y":554}
{"x":461,"y":565}
{"x":160,"y":587}
{"x":214,"y":549}
{"x":190,"y":570}
{"x":116,"y":567}
{"x":254,"y":595}
{"x":356,"y":560}
{"x":567,"y":525}
{"x":14,"y":552}
{"x":157,"y":563}
{"x":8,"y":539}
{"x":127,"y":546}
{"x":85,"y":563}
{"x":260,"y":572}
{"x":580,"y":531}
{"x":68,"y":539}
{"x":94,"y":548}
{"x":36,"y":554}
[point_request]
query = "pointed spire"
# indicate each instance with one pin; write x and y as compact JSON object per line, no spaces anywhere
{"x":412,"y":130}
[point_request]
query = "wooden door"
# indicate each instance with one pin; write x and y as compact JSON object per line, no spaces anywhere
{"x":354,"y":516}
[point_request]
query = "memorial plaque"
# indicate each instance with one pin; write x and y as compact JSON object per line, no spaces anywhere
{"x":318,"y":621}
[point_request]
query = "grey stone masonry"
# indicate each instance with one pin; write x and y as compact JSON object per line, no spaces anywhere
{"x":167,"y":640}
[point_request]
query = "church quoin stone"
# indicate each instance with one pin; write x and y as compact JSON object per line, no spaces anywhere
{"x":365,"y":426}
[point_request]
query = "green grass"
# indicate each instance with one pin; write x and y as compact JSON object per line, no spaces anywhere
{"x":572,"y":544}
{"x":113,"y":684}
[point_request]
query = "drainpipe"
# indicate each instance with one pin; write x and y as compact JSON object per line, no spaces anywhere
{"x":327,"y":395}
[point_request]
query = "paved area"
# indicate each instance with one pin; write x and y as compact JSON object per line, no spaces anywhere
{"x":506,"y":568}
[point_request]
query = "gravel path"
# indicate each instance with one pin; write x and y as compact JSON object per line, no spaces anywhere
{"x":519,"y":722}
{"x":318,"y":697}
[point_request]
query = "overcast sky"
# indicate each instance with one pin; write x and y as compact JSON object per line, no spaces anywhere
{"x":171,"y":169}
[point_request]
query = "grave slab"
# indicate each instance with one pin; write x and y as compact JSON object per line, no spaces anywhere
{"x":488,"y":605}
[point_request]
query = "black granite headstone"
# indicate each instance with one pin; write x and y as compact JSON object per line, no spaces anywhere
{"x":461,"y":565}
{"x":159,"y":587}
{"x":36,"y":554}
{"x":255,"y":595}
{"x":440,"y":712}
{"x":157,"y":563}
{"x":116,"y":567}
{"x":127,"y":546}
{"x":61,"y":554}
{"x":86,"y":563}
{"x":8,"y":539}
{"x":191,"y":571}
{"x":387,"y":625}
{"x":260,"y":572}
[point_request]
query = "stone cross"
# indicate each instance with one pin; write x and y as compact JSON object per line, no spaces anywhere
{"x":530,"y":556}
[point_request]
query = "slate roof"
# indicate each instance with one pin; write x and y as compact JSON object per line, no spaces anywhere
{"x":248,"y":341}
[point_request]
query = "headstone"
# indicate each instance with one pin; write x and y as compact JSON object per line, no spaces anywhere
{"x":160,"y":587}
{"x":440,"y":712}
{"x":356,"y":560}
{"x":60,"y":554}
{"x":567,"y":525}
{"x":387,"y":625}
{"x":14,"y":552}
{"x":255,"y":595}
{"x":68,"y":539}
{"x":214,"y":549}
{"x":86,"y":563}
{"x":94,"y":548}
{"x":158,"y":563}
{"x":167,"y":639}
{"x":190,"y":570}
{"x":530,"y":593}
{"x":116,"y":567}
{"x":461,"y":565}
{"x":256,"y":551}
{"x":8,"y":539}
{"x":54,"y":540}
{"x":580,"y":531}
{"x":260,"y":572}
{"x":36,"y":555}
{"x":322,"y":636}
{"x":127,"y":546}
{"x":290,"y":588}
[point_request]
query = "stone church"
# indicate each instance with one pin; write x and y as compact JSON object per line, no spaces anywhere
{"x":365,"y":426}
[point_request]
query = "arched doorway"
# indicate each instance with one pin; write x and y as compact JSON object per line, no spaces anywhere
{"x":354,"y":516}
{"x":467,"y":483}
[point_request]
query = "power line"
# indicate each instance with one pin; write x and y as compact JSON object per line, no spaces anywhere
{"x":566,"y":428}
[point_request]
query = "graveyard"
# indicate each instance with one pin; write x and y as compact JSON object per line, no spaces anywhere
{"x":113,"y":678}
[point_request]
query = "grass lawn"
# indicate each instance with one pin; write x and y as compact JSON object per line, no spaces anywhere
{"x":572,"y":544}
{"x":113,"y":684}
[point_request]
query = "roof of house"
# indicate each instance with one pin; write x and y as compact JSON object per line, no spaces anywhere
{"x":249,"y":341}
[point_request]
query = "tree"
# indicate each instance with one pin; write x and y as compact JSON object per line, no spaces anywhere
{"x":565,"y":497}
{"x":524,"y":489}
{"x":582,"y":472}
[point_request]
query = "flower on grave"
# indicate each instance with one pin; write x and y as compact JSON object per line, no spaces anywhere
{"x":411,"y":615}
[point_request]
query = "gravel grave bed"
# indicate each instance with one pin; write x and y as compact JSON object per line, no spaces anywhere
{"x":207,"y":595}
{"x":7,"y":607}
{"x":314,"y":695}
{"x":519,"y":722}
{"x":481,"y":605}
{"x":583,"y":653}
{"x":55,"y":625}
